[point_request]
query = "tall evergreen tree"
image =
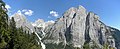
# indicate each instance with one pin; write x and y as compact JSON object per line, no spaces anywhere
{"x":4,"y":34}
{"x":12,"y":37}
{"x":12,"y":30}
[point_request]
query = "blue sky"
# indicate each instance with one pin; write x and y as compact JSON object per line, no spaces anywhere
{"x":108,"y":10}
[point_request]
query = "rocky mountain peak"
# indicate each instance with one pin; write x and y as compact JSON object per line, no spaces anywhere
{"x":21,"y":21}
{"x":78,"y":27}
{"x":39,"y":23}
{"x":19,"y":18}
{"x":72,"y":11}
{"x":81,"y":7}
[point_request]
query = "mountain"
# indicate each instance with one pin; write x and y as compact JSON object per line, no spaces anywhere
{"x":11,"y":35}
{"x":21,"y":21}
{"x":76,"y":29}
{"x":40,"y":25}
{"x":37,"y":27}
{"x":79,"y":29}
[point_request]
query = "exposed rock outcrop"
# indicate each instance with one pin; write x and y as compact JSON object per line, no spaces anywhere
{"x":21,"y":21}
{"x":78,"y":27}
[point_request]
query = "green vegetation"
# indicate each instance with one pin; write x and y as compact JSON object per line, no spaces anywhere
{"x":91,"y":45}
{"x":60,"y":46}
{"x":106,"y":46}
{"x":12,"y":37}
{"x":86,"y":46}
{"x":95,"y":45}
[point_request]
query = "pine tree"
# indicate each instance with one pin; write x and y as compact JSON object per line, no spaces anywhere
{"x":4,"y":33}
{"x":12,"y":37}
{"x":12,"y":30}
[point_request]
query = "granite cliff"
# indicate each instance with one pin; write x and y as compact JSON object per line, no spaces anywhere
{"x":78,"y":28}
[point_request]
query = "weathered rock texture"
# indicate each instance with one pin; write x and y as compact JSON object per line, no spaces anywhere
{"x":78,"y":27}
{"x":21,"y":21}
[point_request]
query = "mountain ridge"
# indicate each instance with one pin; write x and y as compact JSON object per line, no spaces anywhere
{"x":77,"y":28}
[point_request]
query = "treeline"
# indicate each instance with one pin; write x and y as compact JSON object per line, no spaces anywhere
{"x":12,"y":37}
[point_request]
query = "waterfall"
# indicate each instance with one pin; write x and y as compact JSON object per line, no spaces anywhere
{"x":43,"y":45}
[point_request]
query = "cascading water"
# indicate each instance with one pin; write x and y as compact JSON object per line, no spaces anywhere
{"x":43,"y":45}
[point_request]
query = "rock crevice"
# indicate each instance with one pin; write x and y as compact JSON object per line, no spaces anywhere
{"x":76,"y":27}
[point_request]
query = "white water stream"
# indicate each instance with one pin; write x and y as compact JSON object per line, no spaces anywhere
{"x":43,"y":45}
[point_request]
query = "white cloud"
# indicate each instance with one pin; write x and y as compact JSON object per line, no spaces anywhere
{"x":24,"y":10}
{"x":54,"y":13}
{"x":27,"y":12}
{"x":7,"y":6}
{"x":51,"y":21}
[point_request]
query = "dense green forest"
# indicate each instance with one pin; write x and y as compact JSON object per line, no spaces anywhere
{"x":12,"y":37}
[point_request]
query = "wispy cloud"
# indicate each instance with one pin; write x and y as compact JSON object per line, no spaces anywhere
{"x":27,"y":12}
{"x":54,"y":13}
{"x":50,"y":21}
{"x":8,"y":7}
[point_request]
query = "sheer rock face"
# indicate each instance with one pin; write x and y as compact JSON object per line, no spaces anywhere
{"x":69,"y":29}
{"x":76,"y":27}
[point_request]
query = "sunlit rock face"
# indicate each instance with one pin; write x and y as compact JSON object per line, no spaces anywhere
{"x":28,"y":27}
{"x":40,"y":26}
{"x":76,"y":28}
{"x":40,"y":23}
{"x":21,"y":21}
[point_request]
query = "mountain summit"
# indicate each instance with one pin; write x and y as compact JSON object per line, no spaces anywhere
{"x":78,"y":28}
{"x":21,"y":21}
